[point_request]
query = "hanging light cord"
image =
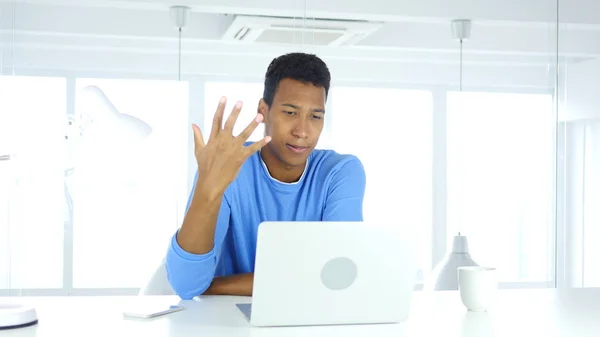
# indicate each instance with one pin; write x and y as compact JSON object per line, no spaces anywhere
{"x":304,"y":23}
{"x":179,"y":63}
{"x":461,"y":63}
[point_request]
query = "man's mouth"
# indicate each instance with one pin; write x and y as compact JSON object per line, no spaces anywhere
{"x":296,"y":148}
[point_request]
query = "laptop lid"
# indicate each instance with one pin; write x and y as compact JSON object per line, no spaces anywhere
{"x":322,"y":273}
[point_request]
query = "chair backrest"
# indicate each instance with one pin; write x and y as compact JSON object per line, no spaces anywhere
{"x":158,"y":283}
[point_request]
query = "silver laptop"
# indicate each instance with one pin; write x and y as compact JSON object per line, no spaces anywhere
{"x":330,"y":273}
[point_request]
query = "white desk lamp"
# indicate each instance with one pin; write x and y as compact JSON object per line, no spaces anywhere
{"x":107,"y":123}
{"x":107,"y":120}
{"x":445,"y":274}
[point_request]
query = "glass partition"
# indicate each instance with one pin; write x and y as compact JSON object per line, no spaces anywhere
{"x":578,"y":145}
{"x":459,"y":129}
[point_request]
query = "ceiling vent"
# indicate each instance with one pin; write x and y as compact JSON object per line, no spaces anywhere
{"x":286,"y":30}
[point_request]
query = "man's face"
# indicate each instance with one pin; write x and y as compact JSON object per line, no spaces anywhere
{"x":294,"y":121}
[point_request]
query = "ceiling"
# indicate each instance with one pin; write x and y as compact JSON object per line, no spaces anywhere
{"x":414,"y":37}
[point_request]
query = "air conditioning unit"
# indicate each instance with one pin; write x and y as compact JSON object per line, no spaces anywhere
{"x":288,"y":30}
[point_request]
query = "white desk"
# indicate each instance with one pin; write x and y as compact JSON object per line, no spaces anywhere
{"x":544,"y":312}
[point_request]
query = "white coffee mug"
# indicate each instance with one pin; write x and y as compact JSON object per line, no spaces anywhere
{"x":477,"y":287}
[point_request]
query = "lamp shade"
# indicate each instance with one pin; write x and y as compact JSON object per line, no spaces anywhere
{"x":445,"y":274}
{"x":108,"y":119}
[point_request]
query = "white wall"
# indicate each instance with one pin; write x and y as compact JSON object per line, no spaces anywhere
{"x":581,"y":100}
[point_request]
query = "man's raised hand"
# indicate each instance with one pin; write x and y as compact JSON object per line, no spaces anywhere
{"x":221,"y":157}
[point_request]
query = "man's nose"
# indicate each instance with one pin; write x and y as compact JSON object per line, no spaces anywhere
{"x":301,"y":129}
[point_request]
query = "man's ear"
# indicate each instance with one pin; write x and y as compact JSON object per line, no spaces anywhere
{"x":263,"y":109}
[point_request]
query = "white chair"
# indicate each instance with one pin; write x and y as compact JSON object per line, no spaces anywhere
{"x":158,"y":283}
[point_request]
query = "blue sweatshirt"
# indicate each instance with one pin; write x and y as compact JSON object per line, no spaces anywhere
{"x":331,"y":189}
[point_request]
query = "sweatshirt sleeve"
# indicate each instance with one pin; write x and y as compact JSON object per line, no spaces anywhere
{"x":346,"y":193}
{"x":191,"y":274}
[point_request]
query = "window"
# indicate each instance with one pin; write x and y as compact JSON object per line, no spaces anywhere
{"x":249,"y":93}
{"x":32,"y":115}
{"x":127,"y":190}
{"x":591,"y":210}
{"x":500,"y":181}
{"x":390,"y":131}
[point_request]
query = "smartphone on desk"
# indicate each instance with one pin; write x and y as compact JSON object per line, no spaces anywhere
{"x":150,"y":310}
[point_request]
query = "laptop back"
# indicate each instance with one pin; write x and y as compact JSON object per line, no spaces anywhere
{"x":323,"y":273}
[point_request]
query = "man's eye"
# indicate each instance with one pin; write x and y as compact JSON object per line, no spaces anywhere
{"x":317,"y":117}
{"x":288,"y":112}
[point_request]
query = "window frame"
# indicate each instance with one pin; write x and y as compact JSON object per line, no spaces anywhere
{"x":196,"y":115}
{"x":68,"y":289}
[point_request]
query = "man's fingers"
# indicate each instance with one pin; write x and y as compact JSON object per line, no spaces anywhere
{"x":230,"y":123}
{"x":250,"y":128}
{"x":218,"y":118}
{"x":250,"y":150}
{"x":198,"y":139}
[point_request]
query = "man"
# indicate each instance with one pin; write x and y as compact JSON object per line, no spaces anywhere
{"x":280,"y":178}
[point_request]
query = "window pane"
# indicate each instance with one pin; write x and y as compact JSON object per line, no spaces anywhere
{"x":127,"y":188}
{"x":391,"y":132}
{"x":32,"y":120}
{"x":500,"y":150}
{"x":249,"y":93}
